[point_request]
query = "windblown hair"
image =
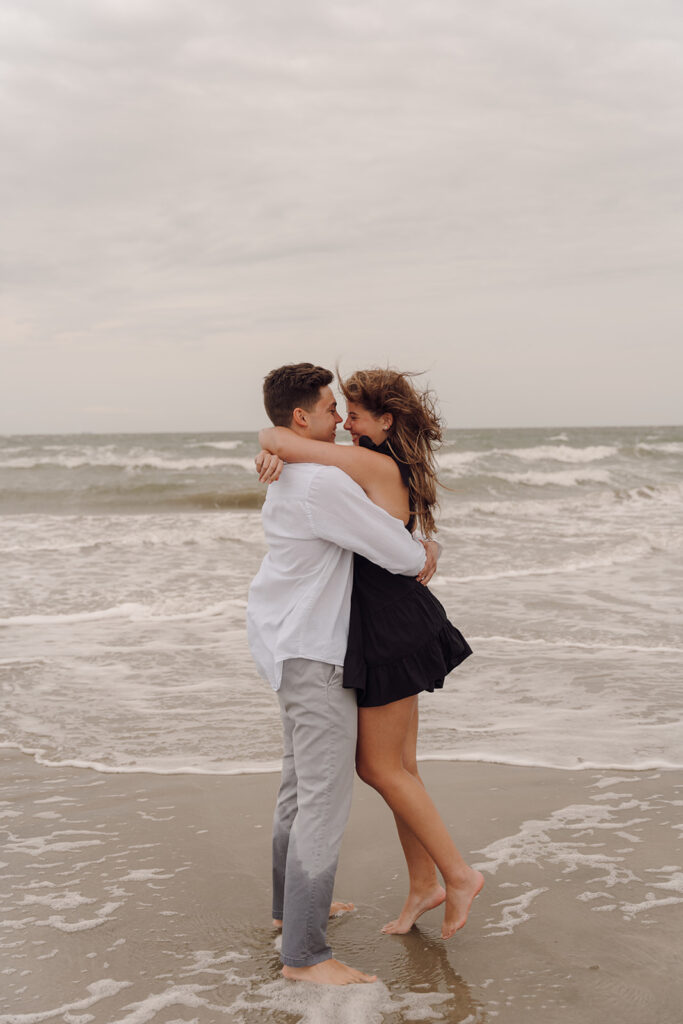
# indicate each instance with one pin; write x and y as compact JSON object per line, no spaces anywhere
{"x":414,"y":436}
{"x":296,"y":386}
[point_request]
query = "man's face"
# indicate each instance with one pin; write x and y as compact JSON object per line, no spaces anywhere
{"x":323,"y":417}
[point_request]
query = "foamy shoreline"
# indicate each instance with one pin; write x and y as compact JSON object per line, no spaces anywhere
{"x":123,"y":624}
{"x":274,"y":766}
{"x":129,"y":897}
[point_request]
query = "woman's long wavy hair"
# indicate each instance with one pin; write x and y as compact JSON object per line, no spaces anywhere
{"x":414,"y":436}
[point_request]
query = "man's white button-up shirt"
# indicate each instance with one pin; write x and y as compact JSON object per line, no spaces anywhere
{"x":314,"y":518}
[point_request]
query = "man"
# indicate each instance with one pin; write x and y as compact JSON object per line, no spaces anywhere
{"x":314,"y":518}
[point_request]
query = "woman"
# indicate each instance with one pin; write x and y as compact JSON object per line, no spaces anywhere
{"x":400,"y":640}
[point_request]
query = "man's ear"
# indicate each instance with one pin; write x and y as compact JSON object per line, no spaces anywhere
{"x":300,"y":418}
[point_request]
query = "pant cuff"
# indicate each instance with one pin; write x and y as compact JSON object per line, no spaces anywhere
{"x":308,"y":961}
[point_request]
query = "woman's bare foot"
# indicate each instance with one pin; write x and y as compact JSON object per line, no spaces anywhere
{"x":459,"y":899}
{"x":337,"y":908}
{"x":416,"y":905}
{"x":329,"y":972}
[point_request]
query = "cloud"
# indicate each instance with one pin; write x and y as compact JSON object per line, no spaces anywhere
{"x":204,"y":174}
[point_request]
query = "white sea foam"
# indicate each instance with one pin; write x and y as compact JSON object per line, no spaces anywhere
{"x":102,"y":915}
{"x":134,"y":461}
{"x":616,"y":501}
{"x":611,"y":780}
{"x":562,"y":478}
{"x":175,"y":995}
{"x":165,"y":765}
{"x":627,"y":553}
{"x":532,"y":843}
{"x":36,"y":846}
{"x":80,"y":533}
{"x":56,"y":800}
{"x":206,"y":962}
{"x":222,"y":445}
{"x":490,"y":755}
{"x":673,"y":884}
{"x":561,"y":453}
{"x":99,"y":990}
{"x":570,"y":643}
{"x":60,"y":901}
{"x":313,"y":1004}
{"x":460,"y":462}
{"x":135,"y":611}
{"x":667,"y":447}
{"x":515,"y":911}
{"x":250,"y":766}
{"x":145,"y":875}
{"x":581,"y":842}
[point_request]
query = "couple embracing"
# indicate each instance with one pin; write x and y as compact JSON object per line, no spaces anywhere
{"x":342,"y":625}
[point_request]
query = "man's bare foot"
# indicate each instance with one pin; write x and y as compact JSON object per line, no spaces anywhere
{"x":329,"y":972}
{"x":416,"y":905}
{"x":459,"y":899}
{"x":337,"y":909}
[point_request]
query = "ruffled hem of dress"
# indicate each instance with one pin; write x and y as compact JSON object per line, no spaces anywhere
{"x":422,"y":670}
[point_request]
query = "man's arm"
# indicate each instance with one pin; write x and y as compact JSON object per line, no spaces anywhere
{"x":339,"y":511}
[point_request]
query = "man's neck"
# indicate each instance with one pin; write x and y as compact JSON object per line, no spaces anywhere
{"x":305,"y":432}
{"x":301,"y":431}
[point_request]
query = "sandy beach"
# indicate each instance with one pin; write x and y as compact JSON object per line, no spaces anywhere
{"x":141,"y":897}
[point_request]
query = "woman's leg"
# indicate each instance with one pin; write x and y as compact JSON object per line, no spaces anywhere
{"x":382,"y":734}
{"x":426,"y":892}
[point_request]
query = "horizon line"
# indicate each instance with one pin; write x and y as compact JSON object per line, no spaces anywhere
{"x":254,"y":430}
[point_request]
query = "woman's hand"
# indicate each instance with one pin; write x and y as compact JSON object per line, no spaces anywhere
{"x":268,"y":438}
{"x":268,"y":467}
{"x":432,"y":549}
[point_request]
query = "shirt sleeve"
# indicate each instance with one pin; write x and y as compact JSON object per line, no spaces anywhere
{"x":339,"y":511}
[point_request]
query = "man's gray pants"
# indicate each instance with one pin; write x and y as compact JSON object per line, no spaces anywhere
{"x":319,"y":720}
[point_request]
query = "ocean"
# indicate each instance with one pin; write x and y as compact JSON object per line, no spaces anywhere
{"x":126,"y":561}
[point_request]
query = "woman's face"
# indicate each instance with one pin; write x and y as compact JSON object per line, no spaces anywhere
{"x":361,"y":423}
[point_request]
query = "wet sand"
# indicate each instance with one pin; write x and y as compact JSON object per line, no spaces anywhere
{"x":135,"y":898}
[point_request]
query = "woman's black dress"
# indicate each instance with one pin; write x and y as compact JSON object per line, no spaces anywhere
{"x":400,"y":640}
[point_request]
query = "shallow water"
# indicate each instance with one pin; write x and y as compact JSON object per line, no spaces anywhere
{"x":134,"y":899}
{"x":126,"y":562}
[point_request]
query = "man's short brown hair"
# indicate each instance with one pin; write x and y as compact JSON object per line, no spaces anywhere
{"x":296,"y":386}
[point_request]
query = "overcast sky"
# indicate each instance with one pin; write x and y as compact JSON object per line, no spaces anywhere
{"x":195,"y":191}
